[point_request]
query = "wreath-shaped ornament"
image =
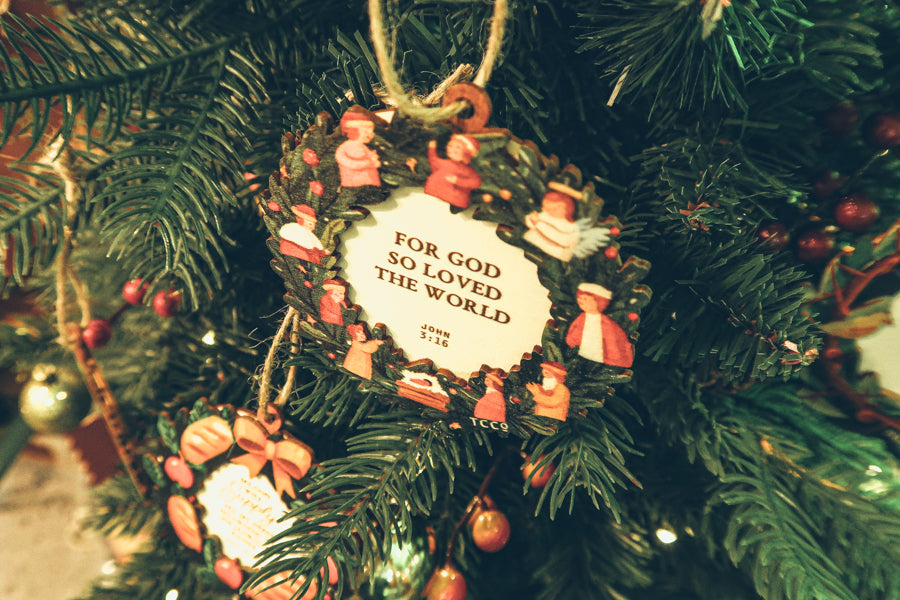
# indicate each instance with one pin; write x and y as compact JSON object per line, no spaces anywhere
{"x":489,"y":285}
{"x":231,"y":479}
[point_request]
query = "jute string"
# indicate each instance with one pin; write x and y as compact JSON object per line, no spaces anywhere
{"x":65,"y":274}
{"x":292,"y":319}
{"x":400,"y":98}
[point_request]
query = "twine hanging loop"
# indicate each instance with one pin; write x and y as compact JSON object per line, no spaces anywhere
{"x":399,"y":97}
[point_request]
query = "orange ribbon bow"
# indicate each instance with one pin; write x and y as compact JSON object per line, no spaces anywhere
{"x":290,"y":457}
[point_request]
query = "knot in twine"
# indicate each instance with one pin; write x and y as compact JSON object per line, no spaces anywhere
{"x":400,"y":98}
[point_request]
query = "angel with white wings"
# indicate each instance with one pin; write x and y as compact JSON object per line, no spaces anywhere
{"x":555,"y":230}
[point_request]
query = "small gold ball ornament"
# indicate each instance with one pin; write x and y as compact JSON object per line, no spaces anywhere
{"x":54,"y":400}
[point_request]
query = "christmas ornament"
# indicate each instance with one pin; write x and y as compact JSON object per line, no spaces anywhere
{"x":97,"y":333}
{"x":451,"y":267}
{"x":483,"y":504}
{"x":134,"y":291}
{"x":54,"y":400}
{"x":491,"y":530}
{"x":814,"y":245}
{"x":856,"y":213}
{"x":841,"y":119}
{"x":542,"y":476}
{"x":403,"y":573}
{"x":882,"y":130}
{"x":774,"y":236}
{"x":166,"y":303}
{"x":446,"y":584}
{"x":236,"y":473}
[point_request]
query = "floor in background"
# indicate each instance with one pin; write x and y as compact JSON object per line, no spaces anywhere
{"x":43,"y":554}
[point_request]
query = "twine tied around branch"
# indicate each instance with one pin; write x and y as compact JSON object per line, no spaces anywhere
{"x":400,"y":98}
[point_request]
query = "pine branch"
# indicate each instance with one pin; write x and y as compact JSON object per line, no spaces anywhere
{"x":790,"y":478}
{"x":31,"y":220}
{"x":570,"y":547}
{"x":153,"y":574}
{"x":393,"y":471}
{"x":331,"y":398}
{"x":159,"y":192}
{"x":668,"y":53}
{"x":590,"y":456}
{"x":742,"y":307}
{"x":119,"y":509}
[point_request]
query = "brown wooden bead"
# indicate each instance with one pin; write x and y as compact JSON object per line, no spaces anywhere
{"x":477,"y":99}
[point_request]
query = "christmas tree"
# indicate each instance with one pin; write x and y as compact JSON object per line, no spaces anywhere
{"x":176,"y":219}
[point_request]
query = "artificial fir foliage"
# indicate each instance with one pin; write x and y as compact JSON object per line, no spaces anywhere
{"x":747,"y":457}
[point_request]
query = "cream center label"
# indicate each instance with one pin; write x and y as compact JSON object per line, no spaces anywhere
{"x":242,"y":511}
{"x":445,"y":285}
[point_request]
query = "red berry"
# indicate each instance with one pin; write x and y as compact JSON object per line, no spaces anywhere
{"x":611,"y":252}
{"x":487,"y":503}
{"x":814,"y":245}
{"x":316,"y":187}
{"x":542,"y":477}
{"x":97,"y":333}
{"x":774,"y":236}
{"x":882,"y":130}
{"x":229,"y":572}
{"x":273,"y":206}
{"x":310,"y":157}
{"x":134,"y":291}
{"x":490,"y":531}
{"x":166,"y":303}
{"x":841,"y":119}
{"x":827,"y":184}
{"x":856,"y":213}
{"x":446,"y":584}
{"x":178,"y":471}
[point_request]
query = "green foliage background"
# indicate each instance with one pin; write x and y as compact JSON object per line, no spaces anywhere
{"x":161,"y":115}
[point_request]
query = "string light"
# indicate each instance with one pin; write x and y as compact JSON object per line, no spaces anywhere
{"x":108,"y":568}
{"x":666,"y":536}
{"x":172,"y":595}
{"x":210,"y":338}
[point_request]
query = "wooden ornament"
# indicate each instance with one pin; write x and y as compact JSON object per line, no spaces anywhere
{"x":479,"y":104}
{"x":454,"y":267}
{"x":242,"y":469}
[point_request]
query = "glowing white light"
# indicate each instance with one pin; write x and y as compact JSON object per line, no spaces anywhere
{"x":61,"y":395}
{"x":172,"y":595}
{"x":666,"y":536}
{"x":108,"y":568}
{"x":210,"y":338}
{"x":873,"y":470}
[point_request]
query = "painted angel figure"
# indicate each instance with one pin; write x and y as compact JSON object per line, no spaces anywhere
{"x":555,"y":230}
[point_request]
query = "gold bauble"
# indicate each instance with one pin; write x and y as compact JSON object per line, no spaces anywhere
{"x":54,"y":400}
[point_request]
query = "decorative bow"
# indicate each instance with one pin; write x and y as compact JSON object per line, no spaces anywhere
{"x":290,"y":457}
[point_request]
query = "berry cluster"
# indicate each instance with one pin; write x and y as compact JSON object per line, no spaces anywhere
{"x":98,"y":332}
{"x":489,"y":528}
{"x":847,"y":210}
